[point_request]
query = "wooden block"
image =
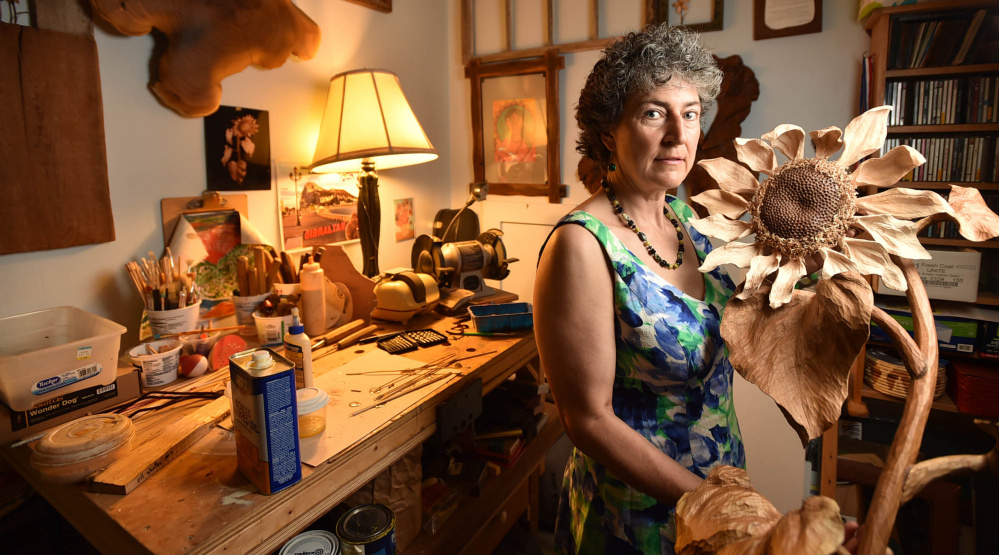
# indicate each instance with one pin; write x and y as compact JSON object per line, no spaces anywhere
{"x":127,"y":473}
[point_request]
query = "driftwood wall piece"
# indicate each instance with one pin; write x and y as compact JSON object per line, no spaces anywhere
{"x":209,"y":41}
{"x":54,"y":179}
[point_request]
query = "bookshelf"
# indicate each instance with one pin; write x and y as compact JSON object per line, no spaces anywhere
{"x":937,"y":64}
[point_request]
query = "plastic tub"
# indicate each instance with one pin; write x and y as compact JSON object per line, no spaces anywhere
{"x":81,"y":447}
{"x":270,"y":330}
{"x":312,"y":403}
{"x":53,"y":352}
{"x":502,"y":317}
{"x":159,"y":368}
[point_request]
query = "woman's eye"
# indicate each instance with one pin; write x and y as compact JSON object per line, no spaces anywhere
{"x":691,"y":115}
{"x":653,"y":114}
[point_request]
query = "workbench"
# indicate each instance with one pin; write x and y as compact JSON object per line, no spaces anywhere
{"x":200,"y":503}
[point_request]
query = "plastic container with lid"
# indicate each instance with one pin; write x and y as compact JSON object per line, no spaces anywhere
{"x":53,"y":352}
{"x":312,"y":403}
{"x":77,"y":449}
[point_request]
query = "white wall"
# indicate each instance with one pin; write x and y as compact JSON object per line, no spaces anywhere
{"x":153,"y":153}
{"x":809,"y":80}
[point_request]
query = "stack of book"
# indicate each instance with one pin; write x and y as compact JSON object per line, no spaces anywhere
{"x":919,"y":42}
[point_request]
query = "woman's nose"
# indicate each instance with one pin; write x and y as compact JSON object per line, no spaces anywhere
{"x":674,"y":131}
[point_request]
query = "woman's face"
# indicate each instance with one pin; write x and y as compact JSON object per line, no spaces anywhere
{"x":655,"y":141}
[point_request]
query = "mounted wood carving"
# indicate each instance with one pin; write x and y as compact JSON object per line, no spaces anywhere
{"x":739,"y":89}
{"x":209,"y":41}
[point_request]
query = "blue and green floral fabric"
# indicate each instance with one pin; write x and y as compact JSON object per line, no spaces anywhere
{"x":672,"y":384}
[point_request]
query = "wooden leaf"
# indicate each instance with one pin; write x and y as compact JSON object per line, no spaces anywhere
{"x":872,"y":259}
{"x":888,"y":169}
{"x":787,"y":275}
{"x":905,"y":204}
{"x":731,"y":176}
{"x":835,"y":263}
{"x":789,"y":139}
{"x":864,"y":135}
{"x":756,"y":154}
{"x":209,"y":41}
{"x":827,"y":141}
{"x":759,"y":269}
{"x":723,"y":228}
{"x":896,"y":236}
{"x":800,"y":354}
{"x":736,"y":253}
{"x":718,"y":201}
{"x":726,"y":516}
{"x":974,"y":218}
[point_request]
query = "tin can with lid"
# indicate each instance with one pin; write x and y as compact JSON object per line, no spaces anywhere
{"x":312,"y":542}
{"x":265,"y":419}
{"x":367,"y":530}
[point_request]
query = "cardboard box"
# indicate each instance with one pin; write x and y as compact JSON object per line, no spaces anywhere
{"x":15,"y":425}
{"x":949,"y":276}
{"x":988,"y":342}
{"x":957,"y":324}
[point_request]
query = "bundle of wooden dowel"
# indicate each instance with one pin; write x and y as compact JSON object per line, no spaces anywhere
{"x":258,"y":276}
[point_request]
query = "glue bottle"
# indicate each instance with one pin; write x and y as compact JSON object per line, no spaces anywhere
{"x":298,"y":349}
{"x":313,"y":298}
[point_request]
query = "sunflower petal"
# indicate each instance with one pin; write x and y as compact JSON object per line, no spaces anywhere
{"x":835,"y":263}
{"x":717,"y":201}
{"x":731,"y":176}
{"x":872,"y":259}
{"x":864,"y":135}
{"x":801,"y":354}
{"x":974,"y":218}
{"x":760,"y":267}
{"x":756,"y":154}
{"x":888,"y":169}
{"x":789,"y":139}
{"x":905,"y":204}
{"x":827,"y":141}
{"x":739,"y":254}
{"x":897,"y":236}
{"x":723,"y":228}
{"x":787,"y":276}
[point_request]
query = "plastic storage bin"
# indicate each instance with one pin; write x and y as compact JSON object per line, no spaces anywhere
{"x":55,"y":351}
{"x":502,"y":317}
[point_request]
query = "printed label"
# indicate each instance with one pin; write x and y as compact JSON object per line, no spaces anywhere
{"x":66,"y":378}
{"x":83,"y":353}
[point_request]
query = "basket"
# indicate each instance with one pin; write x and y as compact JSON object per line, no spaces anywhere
{"x":502,"y":317}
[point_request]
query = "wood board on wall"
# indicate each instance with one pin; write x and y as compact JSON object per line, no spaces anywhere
{"x":54,"y":179}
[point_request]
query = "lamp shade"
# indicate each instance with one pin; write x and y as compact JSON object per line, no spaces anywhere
{"x":367,"y":117}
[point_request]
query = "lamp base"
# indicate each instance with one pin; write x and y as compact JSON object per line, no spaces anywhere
{"x":369,"y":216}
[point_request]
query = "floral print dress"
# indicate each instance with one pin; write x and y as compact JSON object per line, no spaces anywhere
{"x":672,"y":384}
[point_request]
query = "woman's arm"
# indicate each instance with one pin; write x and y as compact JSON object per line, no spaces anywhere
{"x":574,"y":326}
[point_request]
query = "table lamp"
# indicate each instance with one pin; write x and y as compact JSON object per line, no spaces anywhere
{"x":368,"y":119}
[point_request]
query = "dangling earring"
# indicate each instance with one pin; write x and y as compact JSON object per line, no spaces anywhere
{"x":611,"y":167}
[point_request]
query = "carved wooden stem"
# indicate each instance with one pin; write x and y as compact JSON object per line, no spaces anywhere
{"x":922,"y":365}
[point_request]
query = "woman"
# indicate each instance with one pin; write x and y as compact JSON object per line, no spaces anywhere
{"x":627,"y":327}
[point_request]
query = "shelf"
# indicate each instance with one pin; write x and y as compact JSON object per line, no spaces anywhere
{"x":959,"y":243}
{"x":922,"y":7}
{"x":952,"y":128}
{"x":943,"y":70}
{"x":943,"y":403}
{"x":944,"y":185}
{"x":988,"y":298}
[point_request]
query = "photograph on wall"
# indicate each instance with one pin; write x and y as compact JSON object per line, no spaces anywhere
{"x":404,"y":225}
{"x":238,"y":150}
{"x":515,"y":132}
{"x":315,"y":209}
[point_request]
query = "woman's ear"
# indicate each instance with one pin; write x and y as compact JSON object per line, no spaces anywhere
{"x":608,"y":139}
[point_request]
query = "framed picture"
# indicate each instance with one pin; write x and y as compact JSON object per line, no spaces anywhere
{"x":785,"y":18}
{"x":405,"y":227}
{"x":238,"y":150}
{"x":697,"y":15}
{"x":515,"y":126}
{"x":380,"y":5}
{"x":314,"y":209}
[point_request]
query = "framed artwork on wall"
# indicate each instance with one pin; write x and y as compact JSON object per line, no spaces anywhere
{"x":380,"y":5}
{"x":697,"y":15}
{"x":314,"y":209}
{"x":786,"y":18}
{"x":515,"y":126}
{"x":238,"y":149}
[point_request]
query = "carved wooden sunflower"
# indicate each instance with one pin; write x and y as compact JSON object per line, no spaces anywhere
{"x":798,"y":346}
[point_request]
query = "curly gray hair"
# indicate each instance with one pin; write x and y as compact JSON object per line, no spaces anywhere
{"x":638,"y":63}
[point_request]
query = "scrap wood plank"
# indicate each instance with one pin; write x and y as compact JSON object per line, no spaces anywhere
{"x":127,"y":473}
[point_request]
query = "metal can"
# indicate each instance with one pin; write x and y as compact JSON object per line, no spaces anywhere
{"x":265,"y":418}
{"x":367,"y":530}
{"x":312,"y":542}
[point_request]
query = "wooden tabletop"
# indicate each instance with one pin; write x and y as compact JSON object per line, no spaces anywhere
{"x":200,"y":503}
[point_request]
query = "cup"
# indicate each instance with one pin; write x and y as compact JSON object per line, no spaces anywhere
{"x":159,"y":368}
{"x":270,"y":330}
{"x":312,"y":403}
{"x":194,"y":344}
{"x":245,"y":307}
{"x":285,"y":289}
{"x":176,"y":320}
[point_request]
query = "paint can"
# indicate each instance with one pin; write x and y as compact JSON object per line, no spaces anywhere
{"x":367,"y":530}
{"x":265,"y":419}
{"x":312,"y":542}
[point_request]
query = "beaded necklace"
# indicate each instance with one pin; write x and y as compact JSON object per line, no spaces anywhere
{"x":645,"y":241}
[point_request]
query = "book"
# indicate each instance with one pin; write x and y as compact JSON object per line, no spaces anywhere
{"x":969,"y":36}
